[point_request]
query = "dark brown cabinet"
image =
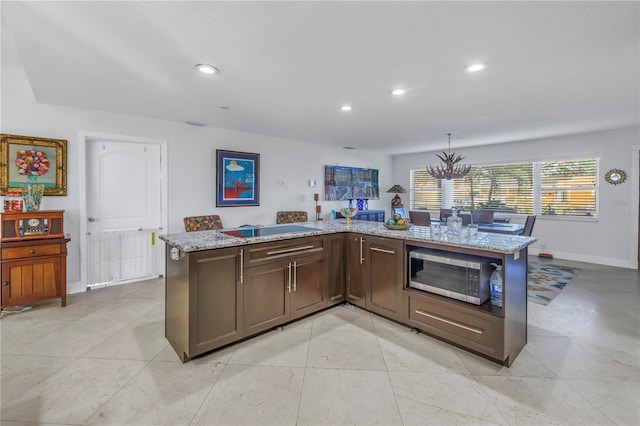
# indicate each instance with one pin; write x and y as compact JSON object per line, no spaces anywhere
{"x":455,"y":322}
{"x":356,"y":272}
{"x":336,"y":272}
{"x":375,"y":274}
{"x":203,"y":300}
{"x":219,"y":296}
{"x":384,"y":276}
{"x":284,"y":280}
{"x":496,"y":333}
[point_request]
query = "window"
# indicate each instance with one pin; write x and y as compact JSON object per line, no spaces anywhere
{"x":565,"y":188}
{"x":425,"y":191}
{"x":569,"y":188}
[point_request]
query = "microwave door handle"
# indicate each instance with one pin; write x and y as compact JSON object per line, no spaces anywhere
{"x":439,"y":259}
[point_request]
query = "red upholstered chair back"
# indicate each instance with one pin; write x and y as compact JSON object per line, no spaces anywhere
{"x":291,"y":216}
{"x":202,"y":223}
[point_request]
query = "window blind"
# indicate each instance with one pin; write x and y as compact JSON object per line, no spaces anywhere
{"x":569,"y":187}
{"x":425,"y":191}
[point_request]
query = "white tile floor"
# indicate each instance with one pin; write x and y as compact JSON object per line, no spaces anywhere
{"x":103,"y":360}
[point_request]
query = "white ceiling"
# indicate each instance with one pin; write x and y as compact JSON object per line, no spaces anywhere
{"x":555,"y":68}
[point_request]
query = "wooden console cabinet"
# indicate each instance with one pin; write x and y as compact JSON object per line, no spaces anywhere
{"x":33,"y":259}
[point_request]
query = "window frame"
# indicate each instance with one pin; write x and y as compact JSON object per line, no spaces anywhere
{"x":447,"y":189}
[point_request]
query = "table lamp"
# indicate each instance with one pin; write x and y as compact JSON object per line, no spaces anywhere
{"x":396,"y":202}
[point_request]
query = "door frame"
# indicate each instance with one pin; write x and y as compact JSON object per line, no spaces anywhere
{"x":634,"y":258}
{"x":84,"y":138}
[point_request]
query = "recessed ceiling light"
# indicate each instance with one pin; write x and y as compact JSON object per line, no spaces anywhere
{"x":207,"y":69}
{"x":194,"y":123}
{"x":476,"y":67}
{"x":345,"y":108}
{"x":398,"y":92}
{"x":348,"y":147}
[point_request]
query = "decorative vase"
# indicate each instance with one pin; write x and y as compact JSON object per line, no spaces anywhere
{"x":348,"y":213}
{"x":32,"y":196}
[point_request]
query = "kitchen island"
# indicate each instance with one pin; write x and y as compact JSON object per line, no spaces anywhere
{"x":228,"y":285}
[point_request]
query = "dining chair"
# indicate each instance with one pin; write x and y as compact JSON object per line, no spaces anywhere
{"x":445,"y":213}
{"x":466,"y":218}
{"x":202,"y":223}
{"x":420,"y":217}
{"x":528,"y":225}
{"x":292,"y":216}
{"x":482,"y":216}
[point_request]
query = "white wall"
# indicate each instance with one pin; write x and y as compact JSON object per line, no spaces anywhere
{"x":610,"y":239}
{"x":191,"y":163}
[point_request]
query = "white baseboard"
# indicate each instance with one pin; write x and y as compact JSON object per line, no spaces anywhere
{"x":598,"y":260}
{"x":75,"y":287}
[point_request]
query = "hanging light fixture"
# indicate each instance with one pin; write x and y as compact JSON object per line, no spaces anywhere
{"x":450,"y":169}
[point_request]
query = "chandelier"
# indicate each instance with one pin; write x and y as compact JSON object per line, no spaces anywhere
{"x":450,"y":169}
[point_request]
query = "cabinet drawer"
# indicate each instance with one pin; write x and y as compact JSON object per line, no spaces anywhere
{"x":466,"y":326}
{"x":31,"y":251}
{"x":268,"y":252}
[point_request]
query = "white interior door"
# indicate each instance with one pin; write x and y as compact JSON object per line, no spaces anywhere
{"x":123,"y":211}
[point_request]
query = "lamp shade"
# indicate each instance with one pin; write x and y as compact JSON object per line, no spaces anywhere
{"x":396,"y":189}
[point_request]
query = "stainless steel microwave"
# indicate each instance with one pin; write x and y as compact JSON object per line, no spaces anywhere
{"x":458,"y":276}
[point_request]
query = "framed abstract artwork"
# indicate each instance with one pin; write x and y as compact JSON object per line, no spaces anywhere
{"x":237,"y":179}
{"x":28,"y":160}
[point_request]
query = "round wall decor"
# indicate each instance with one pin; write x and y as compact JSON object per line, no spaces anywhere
{"x":616,"y":176}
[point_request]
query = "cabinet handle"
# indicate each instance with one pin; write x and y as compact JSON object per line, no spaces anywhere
{"x":289,"y":250}
{"x":361,"y":258}
{"x":289,"y":283}
{"x":457,"y":324}
{"x":295,"y":276}
{"x":5,"y":283}
{"x":382,"y":250}
{"x":32,"y":251}
{"x":241,"y":266}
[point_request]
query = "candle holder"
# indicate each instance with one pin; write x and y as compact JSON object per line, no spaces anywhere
{"x":316,"y":197}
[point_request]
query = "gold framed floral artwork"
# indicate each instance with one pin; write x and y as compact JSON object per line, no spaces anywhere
{"x":27,"y":160}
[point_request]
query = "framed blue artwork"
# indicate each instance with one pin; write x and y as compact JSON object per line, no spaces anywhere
{"x":237,"y":179}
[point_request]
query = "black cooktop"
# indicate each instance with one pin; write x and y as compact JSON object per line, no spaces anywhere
{"x":268,"y":230}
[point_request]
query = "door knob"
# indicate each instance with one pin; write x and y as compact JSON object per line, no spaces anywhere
{"x":5,"y":283}
{"x":93,"y":219}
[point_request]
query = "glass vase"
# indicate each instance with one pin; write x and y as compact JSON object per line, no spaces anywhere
{"x":32,"y":196}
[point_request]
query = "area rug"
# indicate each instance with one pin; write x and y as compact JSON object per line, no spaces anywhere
{"x":545,"y":282}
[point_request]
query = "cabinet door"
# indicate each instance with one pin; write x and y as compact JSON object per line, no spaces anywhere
{"x":30,"y":280}
{"x":266,"y":296}
{"x":217,"y":296}
{"x":356,"y":263}
{"x":385,"y":260}
{"x":337,"y":273}
{"x":309,"y":280}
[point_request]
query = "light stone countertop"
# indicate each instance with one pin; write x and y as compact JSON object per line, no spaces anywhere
{"x":207,"y":240}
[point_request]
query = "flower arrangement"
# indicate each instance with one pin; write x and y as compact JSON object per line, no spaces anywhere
{"x":32,"y":163}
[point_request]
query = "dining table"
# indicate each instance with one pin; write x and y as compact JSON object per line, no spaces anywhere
{"x":501,"y":228}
